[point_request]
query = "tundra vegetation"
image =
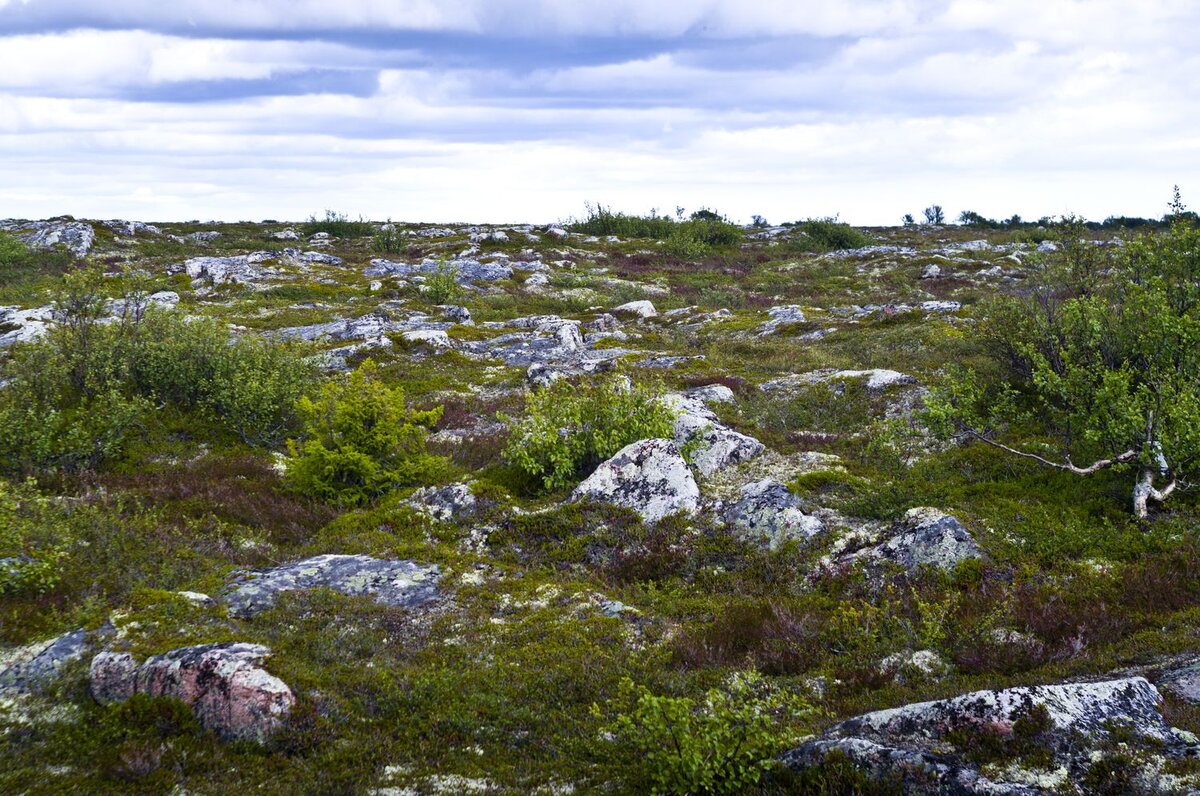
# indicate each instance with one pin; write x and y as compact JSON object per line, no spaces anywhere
{"x":898,"y":465}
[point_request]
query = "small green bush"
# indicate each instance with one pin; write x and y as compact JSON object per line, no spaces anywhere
{"x":571,"y":428}
{"x":30,"y":557}
{"x":388,"y":239}
{"x":721,"y":745}
{"x":829,"y":234}
{"x":442,"y":285}
{"x":602,"y":220}
{"x":339,"y":225}
{"x":12,"y":251}
{"x":360,"y":440}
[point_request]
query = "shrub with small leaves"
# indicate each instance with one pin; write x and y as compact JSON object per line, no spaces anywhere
{"x":719,"y":745}
{"x":360,"y":440}
{"x":570,"y":428}
{"x":442,"y":285}
{"x":30,"y":551}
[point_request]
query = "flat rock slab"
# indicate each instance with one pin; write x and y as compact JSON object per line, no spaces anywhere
{"x":223,"y":684}
{"x":391,"y":582}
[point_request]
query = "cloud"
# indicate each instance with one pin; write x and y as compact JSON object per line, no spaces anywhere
{"x":492,"y":108}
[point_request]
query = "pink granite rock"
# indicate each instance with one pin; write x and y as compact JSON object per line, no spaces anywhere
{"x":223,"y":684}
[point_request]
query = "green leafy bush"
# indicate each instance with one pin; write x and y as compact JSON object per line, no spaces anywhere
{"x":442,"y":285}
{"x":829,"y":234}
{"x":360,"y":440}
{"x":30,"y":554}
{"x":571,"y":428}
{"x":388,"y":239}
{"x":1101,"y":357}
{"x":73,"y":398}
{"x":12,"y":250}
{"x":721,"y":745}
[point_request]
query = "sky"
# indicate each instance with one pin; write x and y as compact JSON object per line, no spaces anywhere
{"x":524,"y":110}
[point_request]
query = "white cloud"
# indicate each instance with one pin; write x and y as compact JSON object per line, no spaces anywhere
{"x":1029,"y":106}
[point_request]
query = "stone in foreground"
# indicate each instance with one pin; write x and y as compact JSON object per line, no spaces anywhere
{"x":393,"y":583}
{"x":223,"y":684}
{"x":917,"y":744}
{"x":648,"y":476}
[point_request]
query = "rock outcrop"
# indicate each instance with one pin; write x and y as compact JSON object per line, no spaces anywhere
{"x":929,"y":747}
{"x":924,"y":537}
{"x":35,"y":666}
{"x":648,"y":476}
{"x":75,"y":236}
{"x":390,"y":582}
{"x":712,"y":445}
{"x":223,"y":684}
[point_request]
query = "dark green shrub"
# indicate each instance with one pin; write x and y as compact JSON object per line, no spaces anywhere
{"x":339,"y":225}
{"x":570,"y":428}
{"x":360,"y":440}
{"x":602,"y":220}
{"x":829,"y":234}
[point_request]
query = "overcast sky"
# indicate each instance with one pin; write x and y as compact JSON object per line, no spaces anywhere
{"x":522,"y":110}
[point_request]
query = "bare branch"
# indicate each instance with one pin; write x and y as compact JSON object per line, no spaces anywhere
{"x":1096,"y":466}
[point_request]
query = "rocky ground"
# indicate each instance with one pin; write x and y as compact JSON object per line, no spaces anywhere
{"x":955,"y":620}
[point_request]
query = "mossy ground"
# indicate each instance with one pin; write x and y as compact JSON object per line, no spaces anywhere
{"x":496,"y":685}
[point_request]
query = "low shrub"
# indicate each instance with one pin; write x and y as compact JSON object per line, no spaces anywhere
{"x":339,"y":225}
{"x":73,"y":398}
{"x":719,"y":745}
{"x":442,"y":287}
{"x":570,"y":428}
{"x":602,"y":220}
{"x":360,"y":440}
{"x":829,"y":234}
{"x":30,"y":554}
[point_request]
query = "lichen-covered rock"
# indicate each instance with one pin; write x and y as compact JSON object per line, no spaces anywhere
{"x":877,"y":379}
{"x":465,"y":269}
{"x":917,"y":743}
{"x":711,"y":394}
{"x":1182,"y":681}
{"x":907,"y":666}
{"x":712,"y":445}
{"x":223,"y":684}
{"x":767,"y":512}
{"x":648,"y":476}
{"x":75,"y":236}
{"x":925,"y":537}
{"x":451,"y":502}
{"x":32,"y":667}
{"x":391,"y":582}
{"x":433,"y":338}
{"x":781,"y":316}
